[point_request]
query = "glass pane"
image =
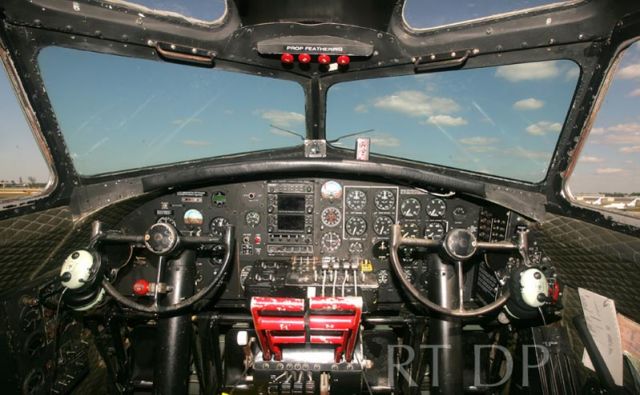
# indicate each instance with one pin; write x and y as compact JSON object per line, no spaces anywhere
{"x":203,"y":10}
{"x":503,"y":121}
{"x":23,"y":170}
{"x":607,"y":174}
{"x":422,"y":14}
{"x":119,"y":113}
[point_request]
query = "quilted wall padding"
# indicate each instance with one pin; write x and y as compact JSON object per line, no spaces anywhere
{"x":596,"y":258}
{"x":28,"y":241}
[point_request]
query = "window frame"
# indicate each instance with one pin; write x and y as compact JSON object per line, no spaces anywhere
{"x":567,"y":194}
{"x":7,"y":66}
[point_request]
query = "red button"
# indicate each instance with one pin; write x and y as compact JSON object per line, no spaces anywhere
{"x":257,"y":240}
{"x":324,"y":59}
{"x":343,"y":60}
{"x":304,"y":58}
{"x":141,"y":287}
{"x":286,"y":58}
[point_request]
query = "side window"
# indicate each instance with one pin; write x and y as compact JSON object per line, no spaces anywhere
{"x":607,"y":173}
{"x":24,"y":173}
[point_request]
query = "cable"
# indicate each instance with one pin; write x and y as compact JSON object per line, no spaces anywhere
{"x":363,"y":375}
{"x":56,"y":319}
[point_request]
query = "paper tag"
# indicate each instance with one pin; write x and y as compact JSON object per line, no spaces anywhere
{"x":602,"y":322}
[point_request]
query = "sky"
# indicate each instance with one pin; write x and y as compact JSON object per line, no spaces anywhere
{"x":19,"y":153}
{"x":498,"y":120}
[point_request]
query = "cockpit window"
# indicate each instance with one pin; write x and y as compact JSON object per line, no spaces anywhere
{"x":118,"y":113}
{"x":607,"y":172}
{"x":201,"y":10}
{"x":24,"y":173}
{"x":426,"y":14}
{"x":504,"y":121}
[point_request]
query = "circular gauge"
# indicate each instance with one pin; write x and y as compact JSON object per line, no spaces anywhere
{"x":407,"y":255}
{"x":356,"y":200}
{"x":244,"y":273}
{"x":166,"y":220}
{"x":331,"y":241}
{"x":217,"y":254}
{"x":383,"y":277}
{"x":356,"y":248}
{"x":331,"y":190}
{"x":193,"y":217}
{"x":382,"y":225}
{"x":434,"y":231}
{"x":410,"y":229}
{"x":381,"y":249}
{"x":385,"y":200}
{"x":410,"y":208}
{"x":331,"y":216}
{"x":459,"y":212}
{"x":252,"y":218}
{"x":219,"y":199}
{"x":356,"y":226}
{"x":436,"y":208}
{"x":218,"y":225}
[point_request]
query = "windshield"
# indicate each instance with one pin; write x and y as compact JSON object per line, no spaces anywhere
{"x":117,"y":113}
{"x":503,"y":121}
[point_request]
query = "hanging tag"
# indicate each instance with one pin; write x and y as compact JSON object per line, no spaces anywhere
{"x":362,"y":148}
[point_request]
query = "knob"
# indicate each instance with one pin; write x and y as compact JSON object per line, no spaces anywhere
{"x":141,"y":287}
{"x":161,"y":238}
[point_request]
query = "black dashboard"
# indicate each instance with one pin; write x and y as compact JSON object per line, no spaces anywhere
{"x":316,"y":236}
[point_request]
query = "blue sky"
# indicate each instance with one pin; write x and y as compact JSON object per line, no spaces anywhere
{"x":19,"y":153}
{"x":503,"y":121}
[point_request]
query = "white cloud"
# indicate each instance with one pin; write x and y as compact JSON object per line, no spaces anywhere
{"x":446,"y":120}
{"x":528,"y":104}
{"x":544,"y":127}
{"x":282,"y":118}
{"x":528,"y":71}
{"x":597,"y":130}
{"x":572,"y":73}
{"x":478,"y":140}
{"x":629,"y":72}
{"x":480,"y":148}
{"x":625,"y":128}
{"x":385,"y":141}
{"x":590,"y":159}
{"x":528,"y":154}
{"x":632,"y":149}
{"x":632,"y":139}
{"x":361,"y":108}
{"x":186,"y":121}
{"x":635,"y":93}
{"x":416,"y":104}
{"x":609,"y":170}
{"x":196,"y":143}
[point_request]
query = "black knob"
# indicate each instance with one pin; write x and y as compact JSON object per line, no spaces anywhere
{"x":161,"y":238}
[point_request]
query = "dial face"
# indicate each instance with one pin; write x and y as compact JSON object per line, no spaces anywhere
{"x":252,"y":218}
{"x":409,"y":274}
{"x":383,"y":277}
{"x":244,"y":273}
{"x":434,"y":231}
{"x":331,"y":216}
{"x":410,"y":229}
{"x":331,"y":190}
{"x":385,"y":200}
{"x":356,"y":200}
{"x":193,"y":217}
{"x":410,"y":208}
{"x":166,"y":220}
{"x":356,"y":248}
{"x":407,"y":255}
{"x":331,"y":241}
{"x":436,"y":208}
{"x":382,"y":225}
{"x":217,"y":226}
{"x":381,"y":249}
{"x":219,"y":199}
{"x":356,"y":226}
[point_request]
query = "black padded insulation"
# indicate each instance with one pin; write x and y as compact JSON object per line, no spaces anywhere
{"x":595,"y":258}
{"x":27,"y":241}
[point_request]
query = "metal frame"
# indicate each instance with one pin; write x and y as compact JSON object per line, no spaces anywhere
{"x":587,"y":32}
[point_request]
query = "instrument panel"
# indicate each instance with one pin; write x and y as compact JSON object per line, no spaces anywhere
{"x":293,"y":232}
